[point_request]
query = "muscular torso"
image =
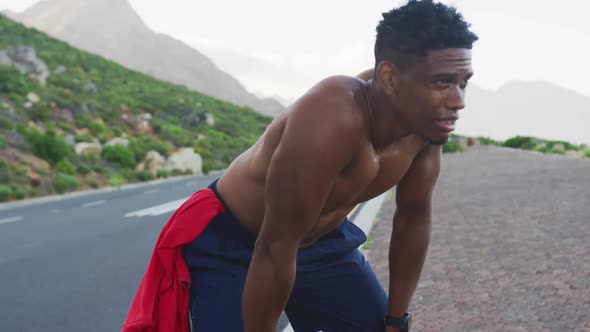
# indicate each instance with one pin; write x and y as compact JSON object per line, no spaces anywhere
{"x":370,"y":173}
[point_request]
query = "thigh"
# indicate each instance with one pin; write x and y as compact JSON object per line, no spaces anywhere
{"x":341,"y":295}
{"x":216,"y":300}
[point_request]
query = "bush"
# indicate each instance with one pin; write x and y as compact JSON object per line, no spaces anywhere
{"x":65,"y":167}
{"x":97,"y":127}
{"x":2,"y":143}
{"x":20,"y":170}
{"x":5,"y":193}
{"x":93,"y":184}
{"x":65,"y":182}
{"x":49,"y":146}
{"x":83,"y":169}
{"x":451,"y":147}
{"x":144,"y":176}
{"x":5,"y":173}
{"x":144,"y":144}
{"x":521,"y":142}
{"x":18,"y":192}
{"x":162,"y":173}
{"x":117,"y":181}
{"x":119,"y":155}
{"x":84,"y":138}
{"x":488,"y":141}
{"x":586,"y":153}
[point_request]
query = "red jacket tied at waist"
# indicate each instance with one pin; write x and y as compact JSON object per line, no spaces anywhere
{"x":162,"y":300}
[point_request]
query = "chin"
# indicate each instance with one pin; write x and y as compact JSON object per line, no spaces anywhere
{"x":438,"y":139}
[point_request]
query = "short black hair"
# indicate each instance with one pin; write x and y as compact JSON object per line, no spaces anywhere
{"x":413,"y":29}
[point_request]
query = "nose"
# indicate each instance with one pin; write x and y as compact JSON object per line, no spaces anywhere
{"x":456,"y":99}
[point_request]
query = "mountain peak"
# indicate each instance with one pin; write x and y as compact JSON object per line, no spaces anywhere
{"x":112,"y":29}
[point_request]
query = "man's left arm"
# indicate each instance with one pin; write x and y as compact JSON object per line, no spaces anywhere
{"x":411,"y":228}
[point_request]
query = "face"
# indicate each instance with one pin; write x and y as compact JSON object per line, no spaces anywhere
{"x":429,"y":94}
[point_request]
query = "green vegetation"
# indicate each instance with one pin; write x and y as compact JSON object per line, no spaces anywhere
{"x":452,"y":146}
{"x":88,"y":97}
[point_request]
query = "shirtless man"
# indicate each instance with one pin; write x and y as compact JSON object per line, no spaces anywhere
{"x":287,"y":245}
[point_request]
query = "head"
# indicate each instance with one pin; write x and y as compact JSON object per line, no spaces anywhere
{"x":422,"y":66}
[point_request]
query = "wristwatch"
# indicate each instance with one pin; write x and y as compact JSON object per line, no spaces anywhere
{"x":403,"y":323}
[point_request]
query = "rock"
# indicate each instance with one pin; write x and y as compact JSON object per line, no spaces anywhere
{"x":118,"y":141}
{"x":70,"y":140}
{"x":63,"y":114}
{"x":153,"y":161}
{"x":558,"y":147}
{"x":28,"y":105}
{"x":145,"y":116}
{"x":33,"y":97}
{"x":25,"y":59}
{"x":185,"y":159}
{"x":210,"y":119}
{"x":90,"y":86}
{"x":60,"y":70}
{"x":34,"y":179}
{"x":143,"y":127}
{"x":87,"y":149}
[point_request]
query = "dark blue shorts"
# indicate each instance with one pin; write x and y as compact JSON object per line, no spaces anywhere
{"x":335,"y":289}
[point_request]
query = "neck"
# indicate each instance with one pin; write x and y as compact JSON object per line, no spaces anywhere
{"x":386,"y":124}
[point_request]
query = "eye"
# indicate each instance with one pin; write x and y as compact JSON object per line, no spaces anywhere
{"x":464,"y":84}
{"x":442,"y":81}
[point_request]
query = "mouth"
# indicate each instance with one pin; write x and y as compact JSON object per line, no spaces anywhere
{"x":447,"y":124}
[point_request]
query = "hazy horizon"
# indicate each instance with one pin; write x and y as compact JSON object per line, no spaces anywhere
{"x":295,"y":47}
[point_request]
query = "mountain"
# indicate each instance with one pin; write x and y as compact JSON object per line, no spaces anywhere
{"x":536,"y":108}
{"x":112,"y":28}
{"x":72,"y":120}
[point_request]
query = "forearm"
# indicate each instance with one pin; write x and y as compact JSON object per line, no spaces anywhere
{"x":266,"y":292}
{"x":407,"y":252}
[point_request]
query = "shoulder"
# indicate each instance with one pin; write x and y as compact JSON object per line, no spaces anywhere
{"x":330,"y":105}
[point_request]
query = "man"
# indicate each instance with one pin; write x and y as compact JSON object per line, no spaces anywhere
{"x":283,"y":242}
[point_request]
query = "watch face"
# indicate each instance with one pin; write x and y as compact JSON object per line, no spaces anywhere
{"x":408,"y":322}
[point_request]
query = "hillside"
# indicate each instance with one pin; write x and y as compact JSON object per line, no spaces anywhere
{"x":72,"y":120}
{"x":126,"y":39}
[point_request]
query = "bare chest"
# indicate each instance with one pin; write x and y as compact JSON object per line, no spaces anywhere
{"x":371,"y":174}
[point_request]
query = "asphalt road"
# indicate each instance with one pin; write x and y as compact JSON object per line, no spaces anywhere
{"x":75,"y":264}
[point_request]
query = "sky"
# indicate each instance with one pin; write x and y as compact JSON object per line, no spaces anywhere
{"x":283,"y":47}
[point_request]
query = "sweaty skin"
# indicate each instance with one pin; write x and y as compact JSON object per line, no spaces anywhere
{"x":342,"y":143}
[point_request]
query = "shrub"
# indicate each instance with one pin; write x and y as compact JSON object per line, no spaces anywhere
{"x":5,"y":193}
{"x":451,"y":147}
{"x":18,"y":192}
{"x":117,"y":181}
{"x":97,"y":127}
{"x":93,"y":183}
{"x":65,"y":167}
{"x":2,"y":143}
{"x":144,"y":176}
{"x":84,"y":138}
{"x":119,"y":155}
{"x":488,"y":141}
{"x":144,"y":144}
{"x":5,"y":173}
{"x":20,"y":170}
{"x":586,"y":153}
{"x":65,"y":182}
{"x":162,"y":173}
{"x":83,"y":169}
{"x":521,"y":142}
{"x":556,"y":150}
{"x":49,"y":146}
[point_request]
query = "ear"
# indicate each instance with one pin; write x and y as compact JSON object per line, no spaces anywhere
{"x":388,"y":75}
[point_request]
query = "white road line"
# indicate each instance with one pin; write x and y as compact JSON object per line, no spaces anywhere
{"x":151,"y":191}
{"x":9,"y":220}
{"x":158,"y":209}
{"x":93,"y":203}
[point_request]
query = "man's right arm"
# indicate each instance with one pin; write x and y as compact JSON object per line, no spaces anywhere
{"x":317,"y":143}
